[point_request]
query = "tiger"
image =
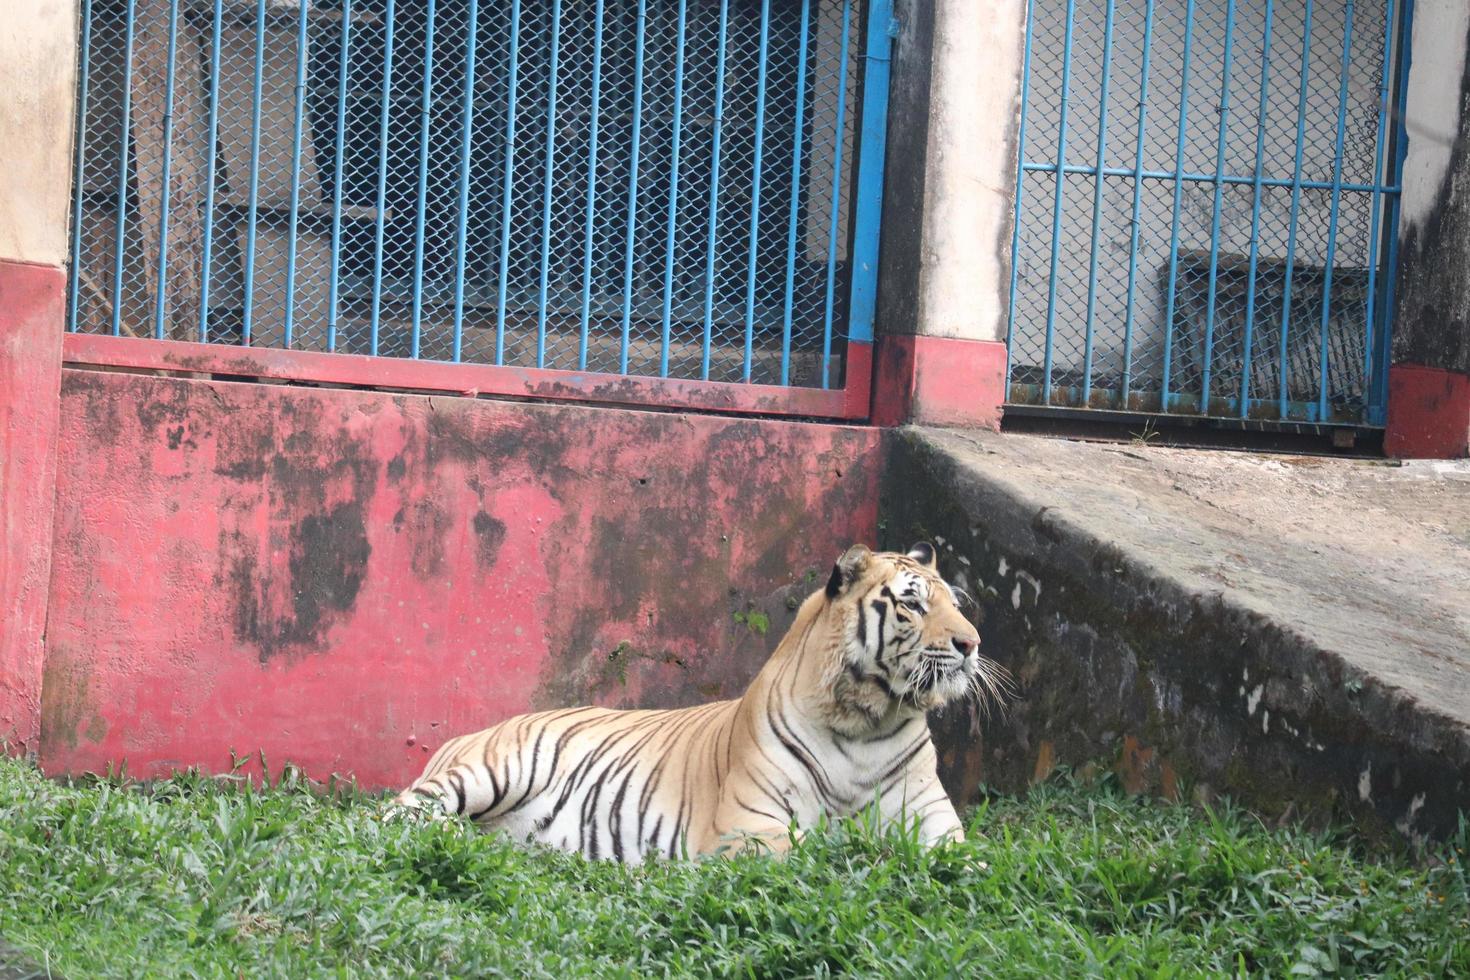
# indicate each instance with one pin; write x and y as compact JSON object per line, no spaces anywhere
{"x":834,"y":721}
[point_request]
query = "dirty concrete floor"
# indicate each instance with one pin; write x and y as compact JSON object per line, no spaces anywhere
{"x":1365,"y":558}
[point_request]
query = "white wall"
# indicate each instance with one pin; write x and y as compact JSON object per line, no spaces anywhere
{"x":38,"y":71}
{"x":969,"y":184}
{"x":1432,"y":116}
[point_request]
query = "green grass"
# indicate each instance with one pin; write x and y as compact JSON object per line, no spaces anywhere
{"x":200,"y":876}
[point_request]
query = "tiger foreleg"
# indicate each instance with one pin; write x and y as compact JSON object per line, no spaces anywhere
{"x":931,"y":815}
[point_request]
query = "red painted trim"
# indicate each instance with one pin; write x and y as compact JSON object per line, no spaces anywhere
{"x":939,"y":381}
{"x":478,"y":379}
{"x":1428,"y":413}
{"x":32,"y":311}
{"x":859,"y":380}
{"x":893,"y":382}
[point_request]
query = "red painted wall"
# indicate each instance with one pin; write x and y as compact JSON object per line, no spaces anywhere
{"x":31,"y":308}
{"x":344,"y":578}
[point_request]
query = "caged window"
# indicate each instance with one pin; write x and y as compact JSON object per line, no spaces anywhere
{"x":655,"y":187}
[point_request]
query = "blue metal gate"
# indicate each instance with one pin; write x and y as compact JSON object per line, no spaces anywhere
{"x":1206,"y":207}
{"x":646,"y":187}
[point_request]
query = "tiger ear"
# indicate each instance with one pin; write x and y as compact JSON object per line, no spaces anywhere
{"x":923,"y":553}
{"x":849,"y":568}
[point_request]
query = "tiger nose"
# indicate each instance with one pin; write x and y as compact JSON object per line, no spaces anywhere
{"x":962,"y":645}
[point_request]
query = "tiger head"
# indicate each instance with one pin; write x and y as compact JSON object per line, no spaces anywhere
{"x":903,"y":644}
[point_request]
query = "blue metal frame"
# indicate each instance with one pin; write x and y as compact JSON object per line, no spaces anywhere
{"x":546,"y":183}
{"x":1097,"y":200}
{"x":73,"y":289}
{"x":1349,"y":343}
{"x":1148,"y":35}
{"x":665,"y":335}
{"x":632,"y":222}
{"x":339,"y":144}
{"x":873,"y":144}
{"x":1262,"y":108}
{"x":119,"y":242}
{"x":467,"y":137}
{"x":253,"y":206}
{"x":755,"y":185}
{"x":297,"y":118}
{"x":395,"y":243}
{"x":716,"y":136}
{"x":161,"y":290}
{"x":210,"y":170}
{"x":421,"y":211}
{"x":381,"y":215}
{"x":1382,"y":348}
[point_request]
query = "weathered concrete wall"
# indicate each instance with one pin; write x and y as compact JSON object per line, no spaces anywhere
{"x":345,"y":578}
{"x":1429,"y":383}
{"x":1433,"y":319}
{"x":950,"y":196}
{"x":37,"y":105}
{"x":1296,"y":682}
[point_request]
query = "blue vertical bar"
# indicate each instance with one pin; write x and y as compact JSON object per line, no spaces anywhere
{"x":421,"y":212}
{"x":120,"y":229}
{"x":382,"y":197}
{"x":467,"y":124}
{"x":673,"y":222}
{"x":1128,"y":319}
{"x":209,"y":170}
{"x":168,"y":148}
{"x":1224,"y":109}
{"x":633,"y":186}
{"x":1016,"y":218}
{"x":296,"y":172}
{"x":1173,"y":289}
{"x":546,"y":182}
{"x":78,"y":174}
{"x":1378,"y":397}
{"x":797,"y":140}
{"x":334,"y":274}
{"x":1262,"y":108}
{"x":1379,"y":156}
{"x":1097,"y":197}
{"x":505,"y":196}
{"x":1342,"y":108}
{"x":1296,"y":203}
{"x":1056,"y":214}
{"x":755,"y":187}
{"x":835,"y":205}
{"x":714,"y":191}
{"x":594,"y":124}
{"x":873,"y":143}
{"x":253,"y":206}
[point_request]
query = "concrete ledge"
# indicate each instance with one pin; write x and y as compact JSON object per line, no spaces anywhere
{"x":1428,"y":413}
{"x":938,"y":381}
{"x":1215,"y":622}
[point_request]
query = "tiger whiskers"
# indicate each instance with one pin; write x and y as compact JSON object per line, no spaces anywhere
{"x":991,"y":686}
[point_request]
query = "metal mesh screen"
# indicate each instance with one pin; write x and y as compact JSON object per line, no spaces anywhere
{"x":651,"y":187}
{"x":1205,"y":192}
